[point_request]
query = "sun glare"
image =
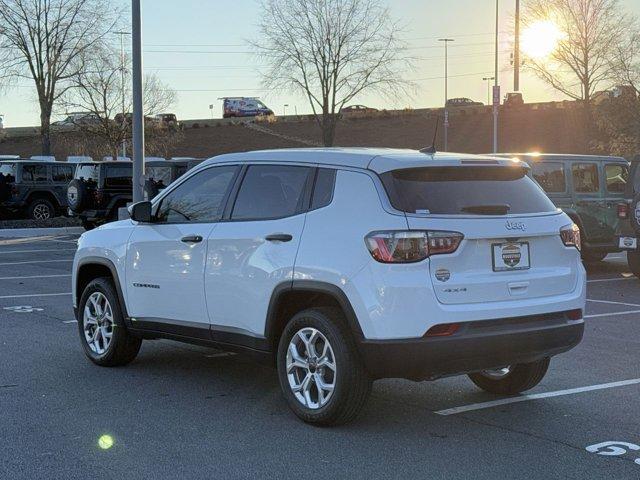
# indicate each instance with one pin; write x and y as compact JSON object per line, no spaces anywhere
{"x":541,"y":38}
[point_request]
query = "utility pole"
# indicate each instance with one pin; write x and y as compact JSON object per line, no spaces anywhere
{"x":488,"y":80}
{"x":138,"y":114}
{"x":446,"y":90}
{"x":516,"y":52}
{"x":496,"y":88}
{"x":123,"y":70}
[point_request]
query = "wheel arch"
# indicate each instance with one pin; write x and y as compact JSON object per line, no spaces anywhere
{"x":90,"y":268}
{"x":44,"y":194}
{"x":288,"y":298}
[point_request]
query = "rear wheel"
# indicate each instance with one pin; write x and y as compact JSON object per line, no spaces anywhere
{"x":103,"y":334}
{"x":511,"y":379}
{"x":321,"y":374}
{"x":40,"y":209}
{"x":633,"y":260}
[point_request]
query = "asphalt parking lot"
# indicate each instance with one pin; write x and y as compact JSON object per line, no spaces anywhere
{"x":182,"y":411}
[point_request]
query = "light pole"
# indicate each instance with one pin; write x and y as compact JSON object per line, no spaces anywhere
{"x":284,"y":107}
{"x":446,"y":90}
{"x":488,"y":80}
{"x":516,"y":51}
{"x":496,"y":88}
{"x":138,"y":115}
{"x":123,"y":86}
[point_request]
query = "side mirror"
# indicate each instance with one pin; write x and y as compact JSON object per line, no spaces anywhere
{"x":140,"y":212}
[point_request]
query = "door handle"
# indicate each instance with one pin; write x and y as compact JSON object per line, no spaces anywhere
{"x":279,"y":237}
{"x":191,"y":239}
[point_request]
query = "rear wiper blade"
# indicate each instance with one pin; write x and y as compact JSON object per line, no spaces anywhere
{"x":499,"y":209}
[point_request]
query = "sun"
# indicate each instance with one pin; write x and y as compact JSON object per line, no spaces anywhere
{"x":540,"y":39}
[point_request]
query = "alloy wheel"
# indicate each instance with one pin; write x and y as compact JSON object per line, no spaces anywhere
{"x":311,"y":368}
{"x":97,"y":321}
{"x":41,"y":212}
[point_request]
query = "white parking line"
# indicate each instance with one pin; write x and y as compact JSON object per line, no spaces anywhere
{"x":609,"y":302}
{"x":4,"y":297}
{"x":628,"y":312}
{"x":600,"y":280}
{"x":70,"y":321}
{"x":36,"y":276}
{"x":40,"y":251}
{"x":36,"y":261}
{"x":536,"y":396}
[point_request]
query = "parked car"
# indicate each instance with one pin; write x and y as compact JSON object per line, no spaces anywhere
{"x":358,"y":109}
{"x":452,"y":265}
{"x":99,"y":189}
{"x":244,"y":107}
{"x":82,"y":119}
{"x":168,"y":120}
{"x":589,"y":190}
{"x":513,"y":99}
{"x":462,"y":102}
{"x":34,"y":189}
{"x":628,"y":231}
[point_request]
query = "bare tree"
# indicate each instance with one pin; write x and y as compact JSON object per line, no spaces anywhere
{"x":42,"y":40}
{"x":331,"y":51}
{"x":98,"y":90}
{"x":582,"y":61}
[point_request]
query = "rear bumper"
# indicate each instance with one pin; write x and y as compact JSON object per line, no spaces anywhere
{"x":475,"y":346}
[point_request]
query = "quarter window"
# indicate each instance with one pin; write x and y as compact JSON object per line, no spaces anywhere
{"x":323,"y":190}
{"x":197,"y":199}
{"x":62,"y":173}
{"x":617,"y":176}
{"x":271,"y":191}
{"x":34,"y":173}
{"x":585,"y":177}
{"x":550,"y":176}
{"x":118,"y":177}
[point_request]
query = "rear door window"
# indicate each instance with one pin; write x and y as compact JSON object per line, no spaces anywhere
{"x":34,"y":173}
{"x":88,"y":173}
{"x":62,"y":173}
{"x":466,"y":190}
{"x":585,"y":178}
{"x":550,"y":176}
{"x":617,"y":176}
{"x":271,"y":191}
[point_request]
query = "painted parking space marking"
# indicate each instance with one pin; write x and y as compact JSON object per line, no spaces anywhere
{"x":610,"y":302}
{"x":23,"y":309}
{"x":36,"y":262}
{"x":36,"y":276}
{"x":617,"y":279}
{"x":32,"y":295}
{"x":611,"y":314}
{"x":6,"y":252}
{"x":536,"y":396}
{"x":70,"y":321}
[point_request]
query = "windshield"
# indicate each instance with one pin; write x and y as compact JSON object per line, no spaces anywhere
{"x":465,"y":190}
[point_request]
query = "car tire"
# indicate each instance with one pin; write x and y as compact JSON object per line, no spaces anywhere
{"x":76,"y":194}
{"x":103,"y":333}
{"x":349,"y":380}
{"x":41,"y":209}
{"x":512,"y":380}
{"x":633,"y":260}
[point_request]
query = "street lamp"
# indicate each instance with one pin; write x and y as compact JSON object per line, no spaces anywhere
{"x":488,"y":80}
{"x":285,"y":109}
{"x":446,"y":90}
{"x":122,"y":80}
{"x":496,"y":88}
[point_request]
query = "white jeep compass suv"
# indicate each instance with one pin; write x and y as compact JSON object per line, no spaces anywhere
{"x":343,"y":266}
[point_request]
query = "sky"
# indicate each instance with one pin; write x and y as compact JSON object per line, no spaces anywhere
{"x":198,"y":48}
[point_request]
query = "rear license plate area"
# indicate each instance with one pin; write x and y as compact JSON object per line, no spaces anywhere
{"x":509,"y":256}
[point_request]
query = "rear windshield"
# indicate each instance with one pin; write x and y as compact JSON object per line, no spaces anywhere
{"x":488,"y":190}
{"x":8,"y":170}
{"x":88,"y":172}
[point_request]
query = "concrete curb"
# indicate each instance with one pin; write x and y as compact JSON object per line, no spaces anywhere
{"x":38,"y":232}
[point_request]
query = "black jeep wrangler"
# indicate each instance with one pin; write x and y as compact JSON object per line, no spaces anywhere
{"x":34,"y":189}
{"x":99,"y":189}
{"x":628,"y":231}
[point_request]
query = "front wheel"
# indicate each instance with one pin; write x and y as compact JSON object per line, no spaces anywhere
{"x":321,"y":374}
{"x":633,"y":260}
{"x":511,"y":379}
{"x":103,"y":334}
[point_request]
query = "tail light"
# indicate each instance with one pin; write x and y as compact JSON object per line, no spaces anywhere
{"x":411,"y":246}
{"x":623,"y":211}
{"x":570,"y":235}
